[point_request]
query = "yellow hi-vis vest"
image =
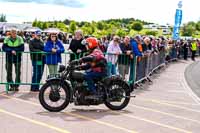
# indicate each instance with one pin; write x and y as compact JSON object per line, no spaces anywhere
{"x":194,"y":46}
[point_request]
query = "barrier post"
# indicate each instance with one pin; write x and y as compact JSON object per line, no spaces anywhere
{"x":133,"y":68}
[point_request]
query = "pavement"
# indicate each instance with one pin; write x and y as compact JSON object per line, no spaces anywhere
{"x":167,"y":105}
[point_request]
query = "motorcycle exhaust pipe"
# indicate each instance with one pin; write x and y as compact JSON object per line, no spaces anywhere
{"x":134,"y":96}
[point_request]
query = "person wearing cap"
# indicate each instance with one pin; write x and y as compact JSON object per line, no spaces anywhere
{"x":54,"y":48}
{"x":36,"y":47}
{"x":113,"y":52}
{"x":76,"y":46}
{"x":13,"y":46}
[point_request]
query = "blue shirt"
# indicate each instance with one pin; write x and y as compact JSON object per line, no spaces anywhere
{"x":53,"y":58}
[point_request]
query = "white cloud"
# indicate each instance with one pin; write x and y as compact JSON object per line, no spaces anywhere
{"x":159,"y":11}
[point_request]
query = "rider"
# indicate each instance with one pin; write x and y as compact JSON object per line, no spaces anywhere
{"x":95,"y":63}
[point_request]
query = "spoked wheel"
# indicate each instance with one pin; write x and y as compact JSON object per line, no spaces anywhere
{"x":119,"y":96}
{"x":54,"y":97}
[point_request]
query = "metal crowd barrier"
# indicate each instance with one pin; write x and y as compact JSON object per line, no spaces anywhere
{"x":139,"y":68}
{"x":148,"y":64}
{"x":26,"y":69}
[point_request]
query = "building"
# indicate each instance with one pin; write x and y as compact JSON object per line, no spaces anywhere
{"x":4,"y":26}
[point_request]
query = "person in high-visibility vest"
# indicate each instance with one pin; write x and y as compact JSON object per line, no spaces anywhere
{"x":194,"y":49}
{"x":13,"y":46}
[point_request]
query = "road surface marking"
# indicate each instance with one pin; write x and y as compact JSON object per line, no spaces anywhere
{"x":168,"y":104}
{"x":189,"y":90}
{"x":77,"y":116}
{"x":149,"y":121}
{"x":164,"y":113}
{"x":184,"y":92}
{"x":34,"y":121}
{"x":99,"y":122}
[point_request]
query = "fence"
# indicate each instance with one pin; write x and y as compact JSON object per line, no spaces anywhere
{"x":139,"y":68}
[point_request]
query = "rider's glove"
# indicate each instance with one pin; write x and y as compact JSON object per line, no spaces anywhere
{"x":78,"y":68}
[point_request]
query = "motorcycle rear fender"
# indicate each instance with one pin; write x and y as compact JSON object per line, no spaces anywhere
{"x":107,"y":81}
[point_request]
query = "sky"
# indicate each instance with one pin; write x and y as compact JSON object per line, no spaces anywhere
{"x":157,"y":11}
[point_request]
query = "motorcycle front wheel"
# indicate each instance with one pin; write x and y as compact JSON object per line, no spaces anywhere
{"x":54,"y":96}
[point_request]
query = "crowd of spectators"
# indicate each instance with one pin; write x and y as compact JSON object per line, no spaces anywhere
{"x":120,"y":52}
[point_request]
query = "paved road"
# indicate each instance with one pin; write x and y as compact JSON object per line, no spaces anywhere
{"x":166,"y":106}
{"x":192,"y":75}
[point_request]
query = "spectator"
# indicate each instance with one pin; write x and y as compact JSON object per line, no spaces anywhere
{"x":198,"y":42}
{"x":193,"y":48}
{"x":105,"y":42}
{"x":185,"y":50}
{"x":13,"y":46}
{"x":137,"y":51}
{"x":113,"y":51}
{"x":146,"y":46}
{"x":54,"y":48}
{"x":101,"y":47}
{"x":174,"y":49}
{"x":37,"y":45}
{"x":125,"y":59}
{"x":76,"y":46}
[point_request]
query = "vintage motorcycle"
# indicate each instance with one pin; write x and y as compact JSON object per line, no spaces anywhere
{"x":69,"y":87}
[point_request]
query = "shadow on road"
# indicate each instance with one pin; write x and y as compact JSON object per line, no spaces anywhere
{"x":83,"y":114}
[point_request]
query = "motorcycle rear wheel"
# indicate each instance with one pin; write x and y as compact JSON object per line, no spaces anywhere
{"x":125,"y":88}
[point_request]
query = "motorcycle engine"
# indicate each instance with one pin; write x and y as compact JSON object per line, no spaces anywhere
{"x":81,"y":92}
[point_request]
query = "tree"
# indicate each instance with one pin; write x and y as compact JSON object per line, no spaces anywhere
{"x":81,"y":24}
{"x":137,"y":26}
{"x":67,"y":21}
{"x":121,"y":33}
{"x":44,"y":25}
{"x":72,"y":27}
{"x":3,"y":18}
{"x":55,"y":23}
{"x":153,"y":33}
{"x":39,"y":24}
{"x":62,"y":27}
{"x":34,"y":24}
{"x":51,"y":25}
{"x":188,"y":30}
{"x":100,"y":26}
{"x":198,"y":26}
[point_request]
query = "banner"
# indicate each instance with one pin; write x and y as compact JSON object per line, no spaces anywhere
{"x":178,"y":21}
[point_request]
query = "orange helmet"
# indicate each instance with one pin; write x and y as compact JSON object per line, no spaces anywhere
{"x":92,"y":42}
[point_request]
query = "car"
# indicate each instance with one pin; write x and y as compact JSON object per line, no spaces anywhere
{"x":166,"y":32}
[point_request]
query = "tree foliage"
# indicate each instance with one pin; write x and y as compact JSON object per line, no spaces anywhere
{"x":153,"y":33}
{"x":137,"y":26}
{"x":72,"y":27}
{"x":188,"y":30}
{"x":3,"y":18}
{"x":120,"y":27}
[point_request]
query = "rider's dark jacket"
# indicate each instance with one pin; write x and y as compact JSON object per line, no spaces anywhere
{"x":97,"y":58}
